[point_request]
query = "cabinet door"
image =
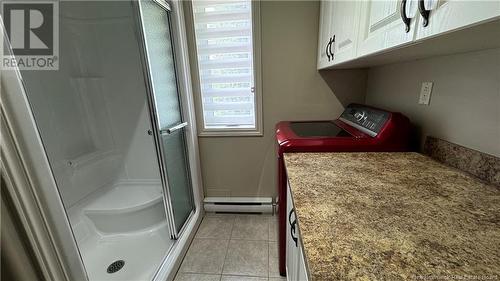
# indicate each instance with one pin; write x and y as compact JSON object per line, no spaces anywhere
{"x":324,"y":33}
{"x":291,"y":248}
{"x":455,"y":14}
{"x":345,"y":27}
{"x":382,"y":27}
{"x":301,"y":264}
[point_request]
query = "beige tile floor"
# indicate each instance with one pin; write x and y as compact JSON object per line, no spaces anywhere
{"x":231,"y":247}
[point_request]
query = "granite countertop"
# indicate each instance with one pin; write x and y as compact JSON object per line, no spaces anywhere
{"x":393,"y":216}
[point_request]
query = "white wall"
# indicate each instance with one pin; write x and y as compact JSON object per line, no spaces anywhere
{"x":465,"y":101}
{"x":292,"y":90}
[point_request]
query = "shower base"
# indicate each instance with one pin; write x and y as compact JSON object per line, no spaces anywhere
{"x":124,"y":222}
{"x":141,"y":252}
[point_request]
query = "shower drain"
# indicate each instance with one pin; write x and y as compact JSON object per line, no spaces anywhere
{"x":115,"y":266}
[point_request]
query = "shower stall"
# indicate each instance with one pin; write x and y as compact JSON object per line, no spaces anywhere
{"x":114,"y":125}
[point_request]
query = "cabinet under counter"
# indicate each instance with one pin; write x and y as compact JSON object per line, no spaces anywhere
{"x":392,"y":216}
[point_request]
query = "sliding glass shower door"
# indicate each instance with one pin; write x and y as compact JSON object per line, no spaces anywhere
{"x":166,"y":110}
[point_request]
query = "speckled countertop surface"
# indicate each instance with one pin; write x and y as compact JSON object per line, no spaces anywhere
{"x":393,"y":216}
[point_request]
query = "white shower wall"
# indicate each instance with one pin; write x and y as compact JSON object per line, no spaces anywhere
{"x":93,"y":112}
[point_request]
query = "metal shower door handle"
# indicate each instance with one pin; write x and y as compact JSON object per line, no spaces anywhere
{"x":174,"y":128}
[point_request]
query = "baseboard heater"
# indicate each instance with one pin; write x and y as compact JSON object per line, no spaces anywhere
{"x":239,"y":204}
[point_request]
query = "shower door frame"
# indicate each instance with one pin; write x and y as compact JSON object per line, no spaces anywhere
{"x":39,"y":204}
{"x":155,"y":118}
{"x":169,"y":266}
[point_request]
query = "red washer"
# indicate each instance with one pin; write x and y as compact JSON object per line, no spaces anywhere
{"x":359,"y":128}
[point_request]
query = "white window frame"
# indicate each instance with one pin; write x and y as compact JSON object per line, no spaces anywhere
{"x":257,"y":68}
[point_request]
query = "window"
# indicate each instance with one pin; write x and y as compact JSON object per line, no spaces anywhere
{"x":228,"y":58}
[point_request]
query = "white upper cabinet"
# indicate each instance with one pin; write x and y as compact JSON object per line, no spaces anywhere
{"x":325,"y":34}
{"x":339,"y":24}
{"x":345,"y":26}
{"x":383,"y":27}
{"x":357,"y":33}
{"x":445,"y":16}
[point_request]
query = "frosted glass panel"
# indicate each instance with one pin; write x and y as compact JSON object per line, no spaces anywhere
{"x":173,"y":146}
{"x":178,"y":176}
{"x":161,"y":63}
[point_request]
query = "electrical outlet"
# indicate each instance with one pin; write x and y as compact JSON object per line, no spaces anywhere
{"x":425,"y":93}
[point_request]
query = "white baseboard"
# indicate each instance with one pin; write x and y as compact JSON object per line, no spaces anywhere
{"x":238,"y":204}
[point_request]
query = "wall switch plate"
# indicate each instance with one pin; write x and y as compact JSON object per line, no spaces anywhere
{"x":425,"y":93}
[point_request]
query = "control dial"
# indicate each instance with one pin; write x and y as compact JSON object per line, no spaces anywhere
{"x":360,"y":116}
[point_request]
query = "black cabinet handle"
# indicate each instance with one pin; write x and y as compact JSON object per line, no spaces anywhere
{"x":423,"y":12}
{"x":405,"y":19}
{"x":292,"y":232}
{"x":292,"y":226}
{"x":328,"y":48}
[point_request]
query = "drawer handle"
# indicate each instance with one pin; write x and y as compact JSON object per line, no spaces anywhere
{"x":405,"y":19}
{"x":290,"y":216}
{"x":292,"y":226}
{"x":292,"y":232}
{"x":424,"y":13}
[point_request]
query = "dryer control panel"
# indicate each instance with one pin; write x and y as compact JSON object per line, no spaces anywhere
{"x":366,"y":119}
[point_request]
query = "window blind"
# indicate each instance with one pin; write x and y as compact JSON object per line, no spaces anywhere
{"x":224,"y":43}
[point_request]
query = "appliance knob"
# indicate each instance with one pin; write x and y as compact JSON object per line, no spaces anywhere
{"x":360,"y":116}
